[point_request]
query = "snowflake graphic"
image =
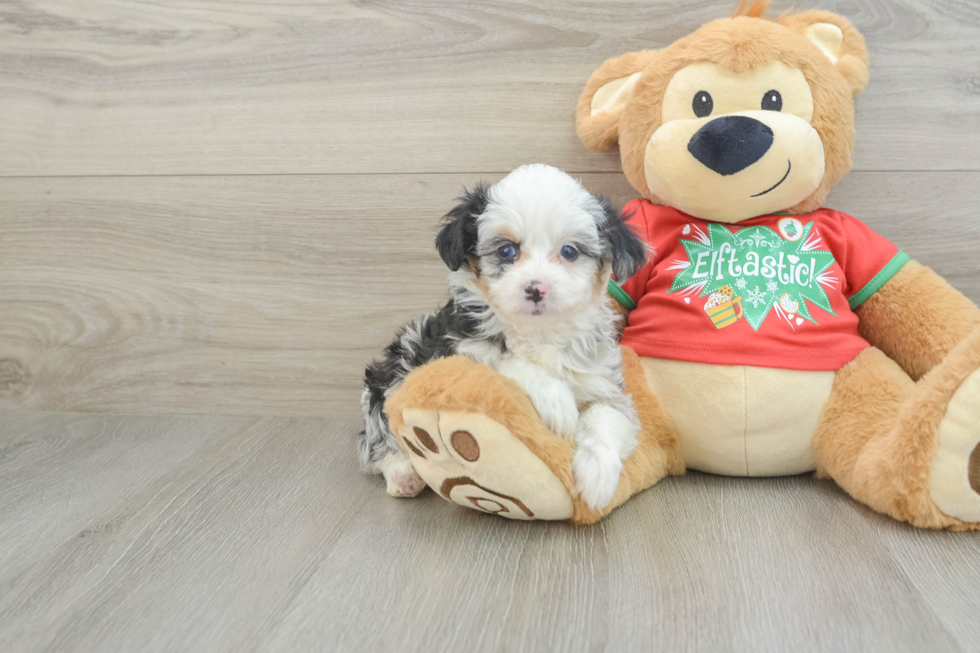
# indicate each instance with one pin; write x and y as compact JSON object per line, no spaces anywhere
{"x":756,"y":297}
{"x":772,"y":286}
{"x":741,"y":284}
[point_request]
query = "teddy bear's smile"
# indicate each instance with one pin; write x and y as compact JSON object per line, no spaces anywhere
{"x":789,"y":167}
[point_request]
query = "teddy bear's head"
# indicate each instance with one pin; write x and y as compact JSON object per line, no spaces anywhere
{"x":746,"y":116}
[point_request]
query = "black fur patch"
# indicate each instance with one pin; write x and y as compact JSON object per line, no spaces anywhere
{"x":457,"y":238}
{"x":426,"y":339}
{"x":621,"y":245}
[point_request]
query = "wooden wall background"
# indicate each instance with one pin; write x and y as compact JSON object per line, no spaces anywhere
{"x":228,"y":207}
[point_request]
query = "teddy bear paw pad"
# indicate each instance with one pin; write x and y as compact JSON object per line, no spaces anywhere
{"x":476,"y":462}
{"x":954,"y":480}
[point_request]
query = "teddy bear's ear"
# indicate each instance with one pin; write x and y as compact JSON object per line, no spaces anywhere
{"x":839,"y":41}
{"x":605,"y":95}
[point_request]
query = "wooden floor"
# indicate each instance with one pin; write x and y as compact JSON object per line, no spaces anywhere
{"x":155,"y":533}
{"x":213,"y":212}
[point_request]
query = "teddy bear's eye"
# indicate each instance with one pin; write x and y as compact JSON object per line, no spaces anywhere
{"x":772,"y":101}
{"x":702,"y":104}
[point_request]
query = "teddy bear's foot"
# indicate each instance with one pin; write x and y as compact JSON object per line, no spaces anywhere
{"x":954,"y":478}
{"x":476,"y":462}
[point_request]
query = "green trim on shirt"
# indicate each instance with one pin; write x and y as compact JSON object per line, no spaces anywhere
{"x":879,"y":280}
{"x":620,"y":295}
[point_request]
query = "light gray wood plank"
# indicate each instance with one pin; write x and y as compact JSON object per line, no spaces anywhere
{"x":263,"y":535}
{"x":207,"y":87}
{"x":945,"y":572}
{"x":141,"y":508}
{"x":267,"y":295}
{"x":102,"y":453}
{"x":701,"y":563}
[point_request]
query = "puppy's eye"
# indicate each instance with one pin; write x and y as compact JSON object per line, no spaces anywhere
{"x":772,"y":101}
{"x":569,"y":253}
{"x":507,"y":251}
{"x":703,"y":105}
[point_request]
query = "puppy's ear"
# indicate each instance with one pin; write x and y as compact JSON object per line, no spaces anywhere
{"x":456,"y":241}
{"x":622,"y":246}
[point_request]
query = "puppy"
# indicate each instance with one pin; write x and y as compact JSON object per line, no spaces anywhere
{"x":530,"y":259}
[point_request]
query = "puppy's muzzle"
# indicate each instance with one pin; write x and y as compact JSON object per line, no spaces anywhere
{"x":535,"y":291}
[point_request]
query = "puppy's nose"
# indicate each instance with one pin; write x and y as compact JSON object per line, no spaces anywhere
{"x":535,"y":291}
{"x":730,"y":143}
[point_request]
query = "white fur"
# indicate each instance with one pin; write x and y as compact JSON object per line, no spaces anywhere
{"x":605,"y":437}
{"x":553,"y":399}
{"x":562,"y":351}
{"x":546,"y":209}
{"x":400,"y":476}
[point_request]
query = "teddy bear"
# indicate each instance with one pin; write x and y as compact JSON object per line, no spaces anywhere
{"x":767,"y":335}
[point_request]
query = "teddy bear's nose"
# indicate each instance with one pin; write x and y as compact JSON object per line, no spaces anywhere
{"x":730,"y":143}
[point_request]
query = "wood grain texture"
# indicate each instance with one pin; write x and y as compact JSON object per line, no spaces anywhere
{"x":267,"y":295}
{"x":213,"y":206}
{"x":112,"y":87}
{"x":165,"y":533}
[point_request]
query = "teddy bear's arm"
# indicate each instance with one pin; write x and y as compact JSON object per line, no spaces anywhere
{"x":916,"y":318}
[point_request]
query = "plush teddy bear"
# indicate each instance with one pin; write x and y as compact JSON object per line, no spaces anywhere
{"x":767,"y":335}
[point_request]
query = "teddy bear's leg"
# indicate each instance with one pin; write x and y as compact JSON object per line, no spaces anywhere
{"x":475,"y":438}
{"x":907,"y":449}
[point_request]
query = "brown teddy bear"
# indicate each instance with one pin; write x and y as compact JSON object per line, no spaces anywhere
{"x":767,"y":335}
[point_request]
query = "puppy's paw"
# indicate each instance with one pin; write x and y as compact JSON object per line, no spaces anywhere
{"x":558,"y":410}
{"x":402,"y":479}
{"x":596,"y":472}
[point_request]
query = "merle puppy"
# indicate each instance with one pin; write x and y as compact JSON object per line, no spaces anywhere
{"x":530,"y":259}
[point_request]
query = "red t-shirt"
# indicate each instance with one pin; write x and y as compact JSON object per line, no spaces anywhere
{"x":773,"y":291}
